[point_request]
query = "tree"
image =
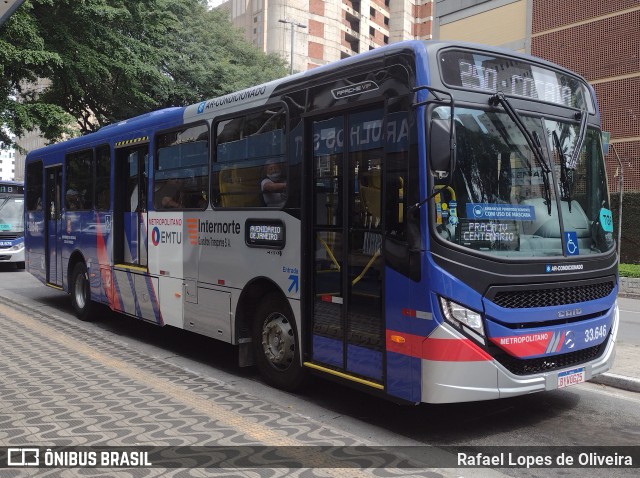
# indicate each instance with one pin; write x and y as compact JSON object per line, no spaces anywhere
{"x":24,"y":58}
{"x":108,"y":60}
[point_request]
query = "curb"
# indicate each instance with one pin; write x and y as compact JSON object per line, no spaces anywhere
{"x":618,"y":381}
{"x":629,"y":287}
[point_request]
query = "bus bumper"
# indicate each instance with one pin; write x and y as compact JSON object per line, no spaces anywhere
{"x":14,"y":254}
{"x":466,"y":381}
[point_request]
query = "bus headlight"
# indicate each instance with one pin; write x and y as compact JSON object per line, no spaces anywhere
{"x":462,"y":318}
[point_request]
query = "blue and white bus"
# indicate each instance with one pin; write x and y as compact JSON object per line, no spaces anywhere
{"x":428,"y":221}
{"x":12,"y":223}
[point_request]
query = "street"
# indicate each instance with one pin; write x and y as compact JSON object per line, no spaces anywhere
{"x":587,"y":415}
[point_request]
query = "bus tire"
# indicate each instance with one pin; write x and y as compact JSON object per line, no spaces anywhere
{"x":276,"y":347}
{"x":81,"y":292}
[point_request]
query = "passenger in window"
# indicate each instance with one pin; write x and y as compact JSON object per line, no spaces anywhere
{"x":73,"y":200}
{"x":171,"y":193}
{"x":274,"y":186}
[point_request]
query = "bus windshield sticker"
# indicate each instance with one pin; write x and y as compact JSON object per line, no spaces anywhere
{"x":571,"y":243}
{"x":513,"y":212}
{"x":606,"y":220}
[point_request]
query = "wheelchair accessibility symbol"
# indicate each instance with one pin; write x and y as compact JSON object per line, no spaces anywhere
{"x":571,"y":243}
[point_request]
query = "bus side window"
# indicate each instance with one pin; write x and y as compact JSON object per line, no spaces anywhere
{"x":79,"y":184}
{"x":34,"y":186}
{"x":103,"y":178}
{"x":181,"y":179}
{"x":249,"y":150}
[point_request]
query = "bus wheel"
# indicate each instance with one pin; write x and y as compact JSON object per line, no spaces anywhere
{"x":80,"y":291}
{"x":276,"y":345}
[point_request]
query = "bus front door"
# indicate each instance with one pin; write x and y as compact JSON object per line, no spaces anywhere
{"x":348,"y":320}
{"x":53,"y":225}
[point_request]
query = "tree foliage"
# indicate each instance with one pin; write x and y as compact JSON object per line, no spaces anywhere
{"x":108,"y":60}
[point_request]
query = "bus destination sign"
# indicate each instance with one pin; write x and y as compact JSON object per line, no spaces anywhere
{"x":490,"y":73}
{"x":11,"y":188}
{"x":265,"y":233}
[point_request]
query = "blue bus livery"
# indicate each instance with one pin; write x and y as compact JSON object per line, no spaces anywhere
{"x":427,"y":221}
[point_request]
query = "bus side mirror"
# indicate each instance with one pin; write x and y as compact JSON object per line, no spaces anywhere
{"x":441,"y":148}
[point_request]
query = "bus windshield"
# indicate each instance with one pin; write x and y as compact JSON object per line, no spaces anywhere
{"x":11,"y":215}
{"x":504,"y":201}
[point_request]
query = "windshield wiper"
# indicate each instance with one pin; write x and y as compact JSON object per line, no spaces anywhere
{"x":582,"y":134}
{"x":566,"y":174}
{"x":568,"y":166}
{"x":532,"y":139}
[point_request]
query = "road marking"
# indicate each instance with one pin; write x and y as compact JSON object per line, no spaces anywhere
{"x":629,"y":311}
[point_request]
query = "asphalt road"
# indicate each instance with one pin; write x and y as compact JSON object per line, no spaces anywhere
{"x":587,"y":414}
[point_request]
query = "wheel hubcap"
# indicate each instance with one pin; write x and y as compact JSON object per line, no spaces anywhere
{"x":80,"y":291}
{"x":278,"y":341}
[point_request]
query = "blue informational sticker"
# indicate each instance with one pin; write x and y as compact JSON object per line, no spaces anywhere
{"x":513,"y":212}
{"x":606,"y":220}
{"x":571,"y":243}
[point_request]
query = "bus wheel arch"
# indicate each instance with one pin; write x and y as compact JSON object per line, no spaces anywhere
{"x":79,"y":286}
{"x":265,"y":316}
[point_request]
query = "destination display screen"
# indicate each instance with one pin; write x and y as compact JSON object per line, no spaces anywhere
{"x":514,"y":77}
{"x":265,"y":233}
{"x":12,"y":188}
{"x":491,"y":235}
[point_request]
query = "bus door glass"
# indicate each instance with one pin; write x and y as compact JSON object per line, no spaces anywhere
{"x":348,"y":323}
{"x":53,"y":225}
{"x":131,"y":206}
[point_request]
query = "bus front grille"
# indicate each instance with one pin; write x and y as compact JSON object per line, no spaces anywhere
{"x":550,"y":297}
{"x":519,"y":366}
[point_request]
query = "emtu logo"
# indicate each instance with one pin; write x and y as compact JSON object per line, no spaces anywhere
{"x":192,"y":230}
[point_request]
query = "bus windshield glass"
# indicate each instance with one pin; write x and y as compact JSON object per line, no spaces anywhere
{"x":502,"y":201}
{"x":11,"y":214}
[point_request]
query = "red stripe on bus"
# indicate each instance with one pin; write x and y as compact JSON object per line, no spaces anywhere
{"x":441,"y":350}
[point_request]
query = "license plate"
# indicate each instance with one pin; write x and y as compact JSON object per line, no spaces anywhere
{"x":571,"y":377}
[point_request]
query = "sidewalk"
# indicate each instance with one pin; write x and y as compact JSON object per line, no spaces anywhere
{"x":68,"y":387}
{"x":625,"y":373}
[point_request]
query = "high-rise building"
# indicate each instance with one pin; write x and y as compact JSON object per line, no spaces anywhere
{"x":325,"y":31}
{"x":7,"y":161}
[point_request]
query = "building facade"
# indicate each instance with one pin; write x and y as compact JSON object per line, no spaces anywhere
{"x":8,"y":162}
{"x":598,"y":40}
{"x":328,"y":30}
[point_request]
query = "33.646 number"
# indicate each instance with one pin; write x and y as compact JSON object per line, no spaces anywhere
{"x":595,"y":333}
